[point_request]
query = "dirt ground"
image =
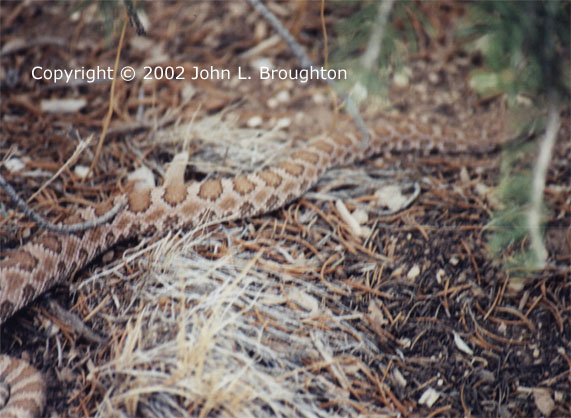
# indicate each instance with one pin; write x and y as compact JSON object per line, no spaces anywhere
{"x":416,"y":319}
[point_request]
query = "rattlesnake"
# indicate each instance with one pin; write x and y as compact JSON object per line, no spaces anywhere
{"x":49,"y":258}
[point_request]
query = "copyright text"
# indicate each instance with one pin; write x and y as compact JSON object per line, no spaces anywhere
{"x":90,"y":75}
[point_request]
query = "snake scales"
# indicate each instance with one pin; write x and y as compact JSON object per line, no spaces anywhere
{"x":50,"y":258}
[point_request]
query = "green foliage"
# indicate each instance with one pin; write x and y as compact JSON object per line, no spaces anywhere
{"x":112,"y":12}
{"x":526,"y":45}
{"x":353,"y":33}
{"x":508,"y":227}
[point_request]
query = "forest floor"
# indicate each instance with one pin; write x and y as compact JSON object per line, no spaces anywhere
{"x":290,"y":312}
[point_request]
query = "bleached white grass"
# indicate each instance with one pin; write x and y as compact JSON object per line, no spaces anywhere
{"x":236,"y":333}
{"x":223,"y":148}
{"x":231,"y":336}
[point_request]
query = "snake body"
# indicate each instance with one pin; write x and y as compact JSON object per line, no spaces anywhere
{"x":49,"y":258}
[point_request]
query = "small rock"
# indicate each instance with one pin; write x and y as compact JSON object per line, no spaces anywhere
{"x":464,"y":176}
{"x":254,"y":122}
{"x":62,"y":105}
{"x":429,"y":397}
{"x":283,"y":123}
{"x":413,"y":272}
{"x":401,"y":80}
{"x":399,"y":377}
{"x":360,"y":216}
{"x":440,"y":275}
{"x":283,"y":96}
{"x":81,"y":171}
{"x":318,"y":98}
{"x":391,"y":197}
{"x":14,"y":164}
{"x":262,"y":62}
{"x":143,"y":176}
{"x":543,"y":401}
{"x":433,"y":78}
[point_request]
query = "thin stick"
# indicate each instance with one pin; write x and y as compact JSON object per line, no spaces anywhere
{"x":111,"y":101}
{"x":80,"y":147}
{"x":66,"y":229}
{"x":134,"y":17}
{"x":540,"y":172}
{"x":324,"y":31}
{"x":371,"y":55}
{"x":306,"y":62}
